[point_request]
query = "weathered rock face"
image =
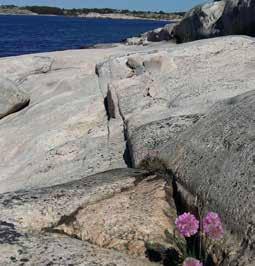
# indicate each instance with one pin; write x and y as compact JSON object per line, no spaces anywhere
{"x":217,"y":19}
{"x":55,"y":249}
{"x":74,"y":223}
{"x":215,"y":160}
{"x":12,"y":99}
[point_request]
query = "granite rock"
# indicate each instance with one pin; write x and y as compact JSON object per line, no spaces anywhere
{"x":218,"y":18}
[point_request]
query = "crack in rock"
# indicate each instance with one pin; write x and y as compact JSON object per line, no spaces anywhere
{"x":124,"y":221}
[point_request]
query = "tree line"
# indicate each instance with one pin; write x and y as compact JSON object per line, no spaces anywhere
{"x":48,"y":10}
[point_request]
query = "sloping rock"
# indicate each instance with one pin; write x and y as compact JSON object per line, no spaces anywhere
{"x":218,"y":18}
{"x":12,"y":99}
{"x":118,"y":210}
{"x":64,"y":132}
{"x":215,"y":160}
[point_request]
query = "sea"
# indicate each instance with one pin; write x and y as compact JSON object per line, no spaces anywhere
{"x":35,"y":34}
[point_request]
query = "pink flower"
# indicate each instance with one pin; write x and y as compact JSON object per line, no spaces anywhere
{"x":192,"y":262}
{"x":187,"y":224}
{"x":212,"y":226}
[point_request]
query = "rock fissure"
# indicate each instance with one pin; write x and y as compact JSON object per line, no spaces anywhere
{"x":127,"y":156}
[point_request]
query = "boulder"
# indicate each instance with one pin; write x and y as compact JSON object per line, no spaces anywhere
{"x":157,"y":35}
{"x":12,"y":99}
{"x":161,"y":34}
{"x":135,"y":41}
{"x":238,"y":18}
{"x":218,"y":18}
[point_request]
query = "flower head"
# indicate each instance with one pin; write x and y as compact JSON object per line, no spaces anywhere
{"x":212,"y":226}
{"x":192,"y":262}
{"x":187,"y":224}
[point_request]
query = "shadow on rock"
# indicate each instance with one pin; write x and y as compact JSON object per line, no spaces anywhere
{"x":8,"y":233}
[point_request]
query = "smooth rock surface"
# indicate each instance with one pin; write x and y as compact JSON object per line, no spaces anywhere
{"x":64,"y":133}
{"x":12,"y":98}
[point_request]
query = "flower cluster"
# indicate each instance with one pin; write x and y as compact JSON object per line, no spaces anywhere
{"x":188,"y":226}
{"x":212,"y":226}
{"x":192,"y":262}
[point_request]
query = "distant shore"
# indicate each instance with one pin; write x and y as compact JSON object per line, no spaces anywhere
{"x":121,"y":16}
{"x":98,"y":16}
{"x":105,"y":13}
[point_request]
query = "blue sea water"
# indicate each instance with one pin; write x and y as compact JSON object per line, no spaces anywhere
{"x":34,"y":34}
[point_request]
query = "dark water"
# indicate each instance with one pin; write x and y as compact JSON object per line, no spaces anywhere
{"x":34,"y":34}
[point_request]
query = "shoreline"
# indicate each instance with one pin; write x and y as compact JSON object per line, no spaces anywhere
{"x":100,"y":16}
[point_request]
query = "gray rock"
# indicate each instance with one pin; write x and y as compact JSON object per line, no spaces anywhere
{"x":200,"y":22}
{"x":165,"y":95}
{"x":161,"y":34}
{"x":12,"y":99}
{"x":218,"y":18}
{"x":157,"y":35}
{"x":54,"y":249}
{"x":214,"y":159}
{"x":238,"y":18}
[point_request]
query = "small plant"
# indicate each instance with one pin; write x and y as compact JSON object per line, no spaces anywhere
{"x":192,"y":262}
{"x":187,"y":224}
{"x":196,"y":234}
